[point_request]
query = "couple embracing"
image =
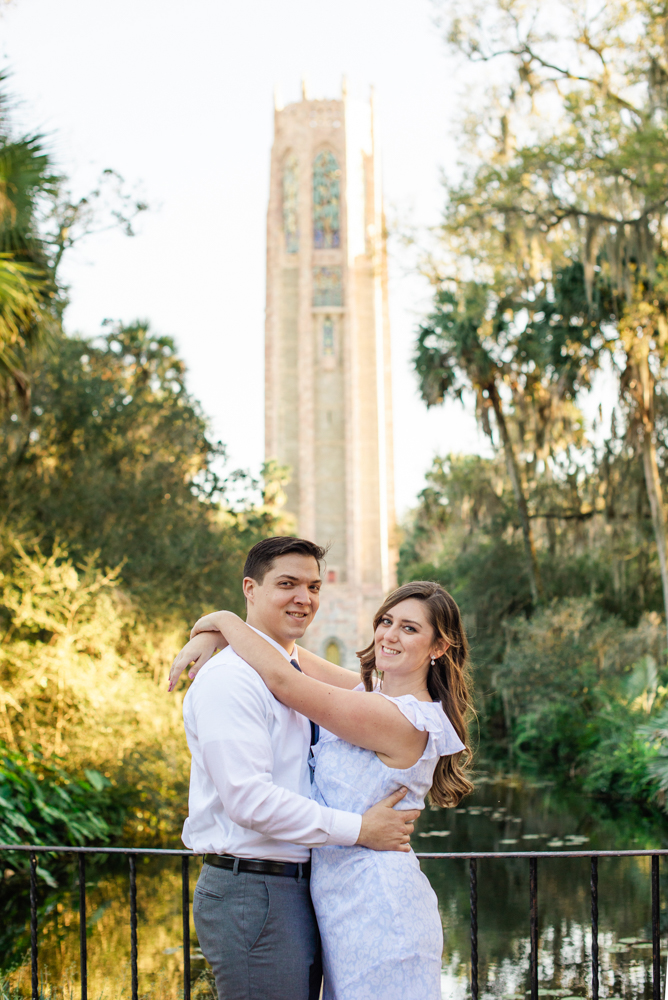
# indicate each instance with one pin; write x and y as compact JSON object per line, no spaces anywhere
{"x":306,"y":780}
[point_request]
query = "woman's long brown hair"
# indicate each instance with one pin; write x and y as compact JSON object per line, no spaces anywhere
{"x":448,"y":680}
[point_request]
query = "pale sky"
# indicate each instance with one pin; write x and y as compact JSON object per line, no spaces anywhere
{"x":178,"y":98}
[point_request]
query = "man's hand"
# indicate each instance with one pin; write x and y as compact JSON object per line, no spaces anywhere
{"x":196,"y":651}
{"x":385,"y":828}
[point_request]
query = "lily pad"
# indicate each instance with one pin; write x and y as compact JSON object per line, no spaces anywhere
{"x":508,"y":841}
{"x":645,"y":945}
{"x":633,"y":940}
{"x":618,"y":949}
{"x":558,"y":991}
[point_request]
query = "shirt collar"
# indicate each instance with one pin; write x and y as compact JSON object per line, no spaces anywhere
{"x":276,"y":645}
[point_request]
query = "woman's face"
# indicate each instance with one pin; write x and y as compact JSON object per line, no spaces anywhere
{"x":404,"y":641}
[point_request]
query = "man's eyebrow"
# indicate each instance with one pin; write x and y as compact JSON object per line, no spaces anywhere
{"x":288,"y":576}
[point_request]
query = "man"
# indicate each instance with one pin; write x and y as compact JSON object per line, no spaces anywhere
{"x":249,"y":808}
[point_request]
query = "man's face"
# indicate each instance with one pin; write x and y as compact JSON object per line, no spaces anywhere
{"x":284,"y":604}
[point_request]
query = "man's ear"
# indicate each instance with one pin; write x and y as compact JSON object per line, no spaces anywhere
{"x":249,"y":586}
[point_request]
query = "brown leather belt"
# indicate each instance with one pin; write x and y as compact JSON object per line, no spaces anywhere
{"x":289,"y":869}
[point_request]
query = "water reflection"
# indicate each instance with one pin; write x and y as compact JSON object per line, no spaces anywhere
{"x":507,"y":815}
{"x":501,"y":815}
{"x":160,"y":953}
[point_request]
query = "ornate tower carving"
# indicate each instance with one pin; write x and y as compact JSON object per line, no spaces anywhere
{"x":328,"y":388}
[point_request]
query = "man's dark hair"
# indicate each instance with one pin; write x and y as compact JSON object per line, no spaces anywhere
{"x":261,"y":557}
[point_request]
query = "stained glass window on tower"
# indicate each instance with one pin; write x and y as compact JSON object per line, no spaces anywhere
{"x":327,"y":286}
{"x":328,"y":336}
{"x":290,"y":199}
{"x":326,"y":201}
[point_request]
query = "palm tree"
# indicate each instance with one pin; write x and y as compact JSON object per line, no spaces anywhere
{"x":27,"y":323}
{"x":29,"y":298}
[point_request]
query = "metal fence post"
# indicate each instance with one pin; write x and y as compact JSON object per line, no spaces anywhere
{"x":593,"y":882}
{"x":656,"y":930}
{"x":533,"y":926}
{"x":473,"y":876}
{"x":132,"y":859}
{"x":34,"y":971}
{"x":83,"y":957}
{"x":185,"y":890}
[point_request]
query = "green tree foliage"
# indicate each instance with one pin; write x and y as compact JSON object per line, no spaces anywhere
{"x":27,"y":287}
{"x":575,"y":688}
{"x":561,"y":687}
{"x":113,"y":467}
{"x":25,"y":322}
{"x":39,"y":221}
{"x":115,"y":459}
{"x":565,"y":165}
{"x":552,"y":264}
{"x":40,"y":803}
{"x":526,"y":345}
{"x":81,"y":679}
{"x":43,"y":804}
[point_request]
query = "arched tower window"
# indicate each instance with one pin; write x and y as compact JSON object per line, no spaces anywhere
{"x":290,"y":202}
{"x":333,"y":652}
{"x":326,"y":201}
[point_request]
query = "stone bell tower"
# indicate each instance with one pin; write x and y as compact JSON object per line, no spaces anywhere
{"x":328,"y":388}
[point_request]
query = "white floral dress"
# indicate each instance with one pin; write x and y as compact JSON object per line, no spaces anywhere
{"x":378,"y":916}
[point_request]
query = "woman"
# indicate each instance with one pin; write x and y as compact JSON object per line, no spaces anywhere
{"x":405,"y":724}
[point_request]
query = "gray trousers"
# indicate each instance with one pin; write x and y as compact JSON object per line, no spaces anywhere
{"x":259,"y":934}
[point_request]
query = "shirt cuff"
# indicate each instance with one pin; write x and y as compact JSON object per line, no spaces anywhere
{"x":345,"y":829}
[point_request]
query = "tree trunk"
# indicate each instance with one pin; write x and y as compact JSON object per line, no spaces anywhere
{"x":652,"y":478}
{"x":520,"y":499}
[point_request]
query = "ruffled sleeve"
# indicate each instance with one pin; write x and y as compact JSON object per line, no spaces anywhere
{"x":429,"y":715}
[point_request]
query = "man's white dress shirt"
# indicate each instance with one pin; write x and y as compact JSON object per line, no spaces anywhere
{"x":249,"y":777}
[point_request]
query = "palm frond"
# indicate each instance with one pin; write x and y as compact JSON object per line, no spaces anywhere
{"x":26,"y":320}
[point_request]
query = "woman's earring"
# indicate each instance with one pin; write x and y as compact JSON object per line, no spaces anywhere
{"x":433,"y":661}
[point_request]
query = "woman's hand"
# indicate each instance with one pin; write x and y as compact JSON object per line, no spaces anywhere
{"x":197,"y":651}
{"x":215,"y":622}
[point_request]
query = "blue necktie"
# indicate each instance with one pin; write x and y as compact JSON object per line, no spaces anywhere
{"x":315,"y":729}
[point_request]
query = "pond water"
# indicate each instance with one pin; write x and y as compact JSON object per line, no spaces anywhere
{"x":504,"y":814}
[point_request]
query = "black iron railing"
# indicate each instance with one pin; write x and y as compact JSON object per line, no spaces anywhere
{"x":473,"y":858}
